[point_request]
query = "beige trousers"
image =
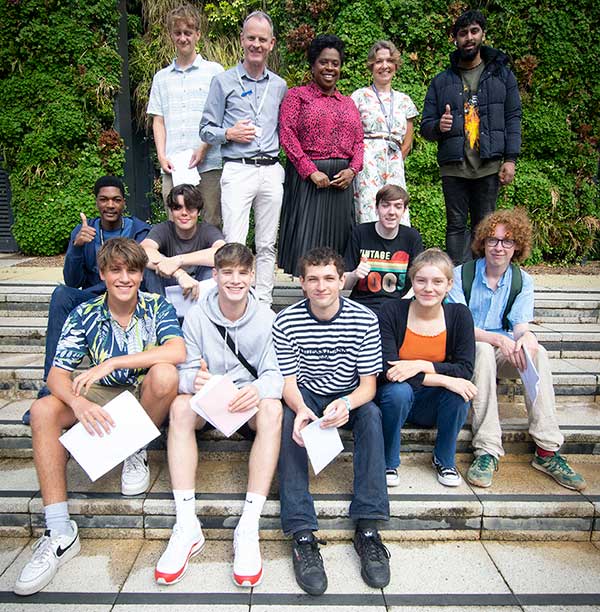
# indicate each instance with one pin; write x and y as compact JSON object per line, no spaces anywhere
{"x":210,"y":188}
{"x":490,"y":364}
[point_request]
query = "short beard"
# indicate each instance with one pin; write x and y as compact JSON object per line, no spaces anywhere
{"x":467,"y":56}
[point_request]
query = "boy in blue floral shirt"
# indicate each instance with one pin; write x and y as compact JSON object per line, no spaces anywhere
{"x":133,"y":342}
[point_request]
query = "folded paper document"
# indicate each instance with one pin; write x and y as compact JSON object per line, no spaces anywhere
{"x":181,"y":173}
{"x":212,"y":404}
{"x":323,"y":444}
{"x":96,"y":454}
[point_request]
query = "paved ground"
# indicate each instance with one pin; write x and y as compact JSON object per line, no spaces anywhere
{"x":474,"y":576}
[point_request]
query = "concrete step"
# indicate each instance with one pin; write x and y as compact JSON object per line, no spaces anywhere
{"x":480,"y":576}
{"x":579,"y":419}
{"x":568,"y":305}
{"x":522,"y":504}
{"x":21,"y":375}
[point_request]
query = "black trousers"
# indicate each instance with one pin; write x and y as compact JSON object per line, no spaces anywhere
{"x":466,"y":197}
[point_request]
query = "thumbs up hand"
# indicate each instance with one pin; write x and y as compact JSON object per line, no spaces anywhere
{"x":446,"y":120}
{"x":363,"y":268}
{"x":86,"y":234}
{"x":202,"y":377}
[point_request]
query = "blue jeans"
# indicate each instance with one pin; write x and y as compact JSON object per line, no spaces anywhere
{"x":429,"y":407}
{"x":370,"y":498}
{"x":64,"y":299}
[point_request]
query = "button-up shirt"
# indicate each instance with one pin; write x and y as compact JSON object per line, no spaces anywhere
{"x":487,"y":305}
{"x":90,"y":331}
{"x":314,"y":125}
{"x":235,"y":96}
{"x":179,"y":96}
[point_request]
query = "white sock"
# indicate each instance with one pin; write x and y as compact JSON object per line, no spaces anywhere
{"x":57,"y":518}
{"x":185,"y":507}
{"x":253,"y":507}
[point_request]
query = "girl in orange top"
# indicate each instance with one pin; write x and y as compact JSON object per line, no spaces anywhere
{"x":428,"y":357}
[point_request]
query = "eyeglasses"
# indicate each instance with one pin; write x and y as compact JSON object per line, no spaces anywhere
{"x":506,"y":243}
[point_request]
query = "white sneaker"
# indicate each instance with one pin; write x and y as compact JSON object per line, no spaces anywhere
{"x":181,"y":548}
{"x":448,"y":476}
{"x":247,"y":563}
{"x":391,"y":477}
{"x":49,"y":553}
{"x":135,"y":477}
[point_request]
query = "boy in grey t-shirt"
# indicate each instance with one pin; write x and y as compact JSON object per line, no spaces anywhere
{"x":181,"y":251}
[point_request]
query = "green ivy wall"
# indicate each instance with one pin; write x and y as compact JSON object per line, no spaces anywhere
{"x":60,"y":72}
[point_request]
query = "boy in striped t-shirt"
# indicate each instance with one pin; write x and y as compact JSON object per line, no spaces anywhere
{"x":329,"y":352}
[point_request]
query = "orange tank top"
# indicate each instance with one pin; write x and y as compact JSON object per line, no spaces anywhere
{"x":429,"y":348}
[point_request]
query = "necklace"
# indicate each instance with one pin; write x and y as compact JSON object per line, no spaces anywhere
{"x":102,"y":231}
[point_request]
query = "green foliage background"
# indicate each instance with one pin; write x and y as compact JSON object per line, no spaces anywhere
{"x":60,"y":70}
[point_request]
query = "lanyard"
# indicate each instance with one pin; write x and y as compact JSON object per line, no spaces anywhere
{"x":120,"y":231}
{"x":389,"y":118}
{"x":245,"y":92}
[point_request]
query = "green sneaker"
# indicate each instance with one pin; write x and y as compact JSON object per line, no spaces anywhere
{"x":482,"y":470}
{"x":558,"y":467}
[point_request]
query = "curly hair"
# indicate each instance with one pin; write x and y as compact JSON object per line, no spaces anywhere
{"x":383,"y":44}
{"x":321,"y":42}
{"x":518,"y":228}
{"x":321,"y":256}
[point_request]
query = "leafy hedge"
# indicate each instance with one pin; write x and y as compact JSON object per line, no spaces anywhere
{"x":555,"y":49}
{"x":60,"y":72}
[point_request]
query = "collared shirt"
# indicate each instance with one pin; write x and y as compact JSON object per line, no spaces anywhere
{"x":314,"y":125}
{"x":487,"y":305}
{"x":229,"y":102}
{"x":179,"y":96}
{"x":90,"y":331}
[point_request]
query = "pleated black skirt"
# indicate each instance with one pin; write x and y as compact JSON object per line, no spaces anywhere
{"x":312,"y":217}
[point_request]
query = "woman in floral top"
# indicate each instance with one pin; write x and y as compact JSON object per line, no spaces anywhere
{"x":321,"y":134}
{"x":387,"y":119}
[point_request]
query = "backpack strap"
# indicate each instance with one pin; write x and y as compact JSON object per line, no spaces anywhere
{"x":231,"y":345}
{"x":467,"y":275}
{"x":516,"y":284}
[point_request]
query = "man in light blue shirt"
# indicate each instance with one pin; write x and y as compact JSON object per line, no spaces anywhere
{"x":501,"y":238}
{"x":241,"y":115}
{"x":177,"y":100}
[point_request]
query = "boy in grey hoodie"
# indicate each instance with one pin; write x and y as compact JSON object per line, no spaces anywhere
{"x":233,"y":306}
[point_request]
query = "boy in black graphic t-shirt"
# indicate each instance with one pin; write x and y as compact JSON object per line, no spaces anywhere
{"x":380,"y":253}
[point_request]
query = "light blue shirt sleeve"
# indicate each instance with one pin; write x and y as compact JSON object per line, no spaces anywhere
{"x":456,"y":295}
{"x":522,"y":310}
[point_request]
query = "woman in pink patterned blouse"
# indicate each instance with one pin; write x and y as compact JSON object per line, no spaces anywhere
{"x":321,"y":132}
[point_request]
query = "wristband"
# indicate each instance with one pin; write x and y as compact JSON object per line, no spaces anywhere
{"x":346,"y":401}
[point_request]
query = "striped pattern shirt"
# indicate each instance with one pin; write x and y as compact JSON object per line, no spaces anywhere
{"x":328,"y":357}
{"x":91,"y":331}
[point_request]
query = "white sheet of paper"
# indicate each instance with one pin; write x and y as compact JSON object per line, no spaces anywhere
{"x":174,"y":295}
{"x":98,"y":455}
{"x":182,"y":174}
{"x":323,"y":445}
{"x":530,"y":378}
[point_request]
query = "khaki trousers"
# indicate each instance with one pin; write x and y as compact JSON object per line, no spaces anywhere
{"x":490,"y":364}
{"x":210,"y":188}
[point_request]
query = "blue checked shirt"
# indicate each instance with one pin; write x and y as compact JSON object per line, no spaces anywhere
{"x":90,"y":331}
{"x":487,"y":306}
{"x":179,"y":96}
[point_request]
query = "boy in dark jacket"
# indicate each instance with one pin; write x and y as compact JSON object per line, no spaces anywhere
{"x":473,"y":111}
{"x":80,"y":271}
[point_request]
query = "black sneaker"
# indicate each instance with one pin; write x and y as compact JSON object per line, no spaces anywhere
{"x":374,"y":558}
{"x":308,"y":564}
